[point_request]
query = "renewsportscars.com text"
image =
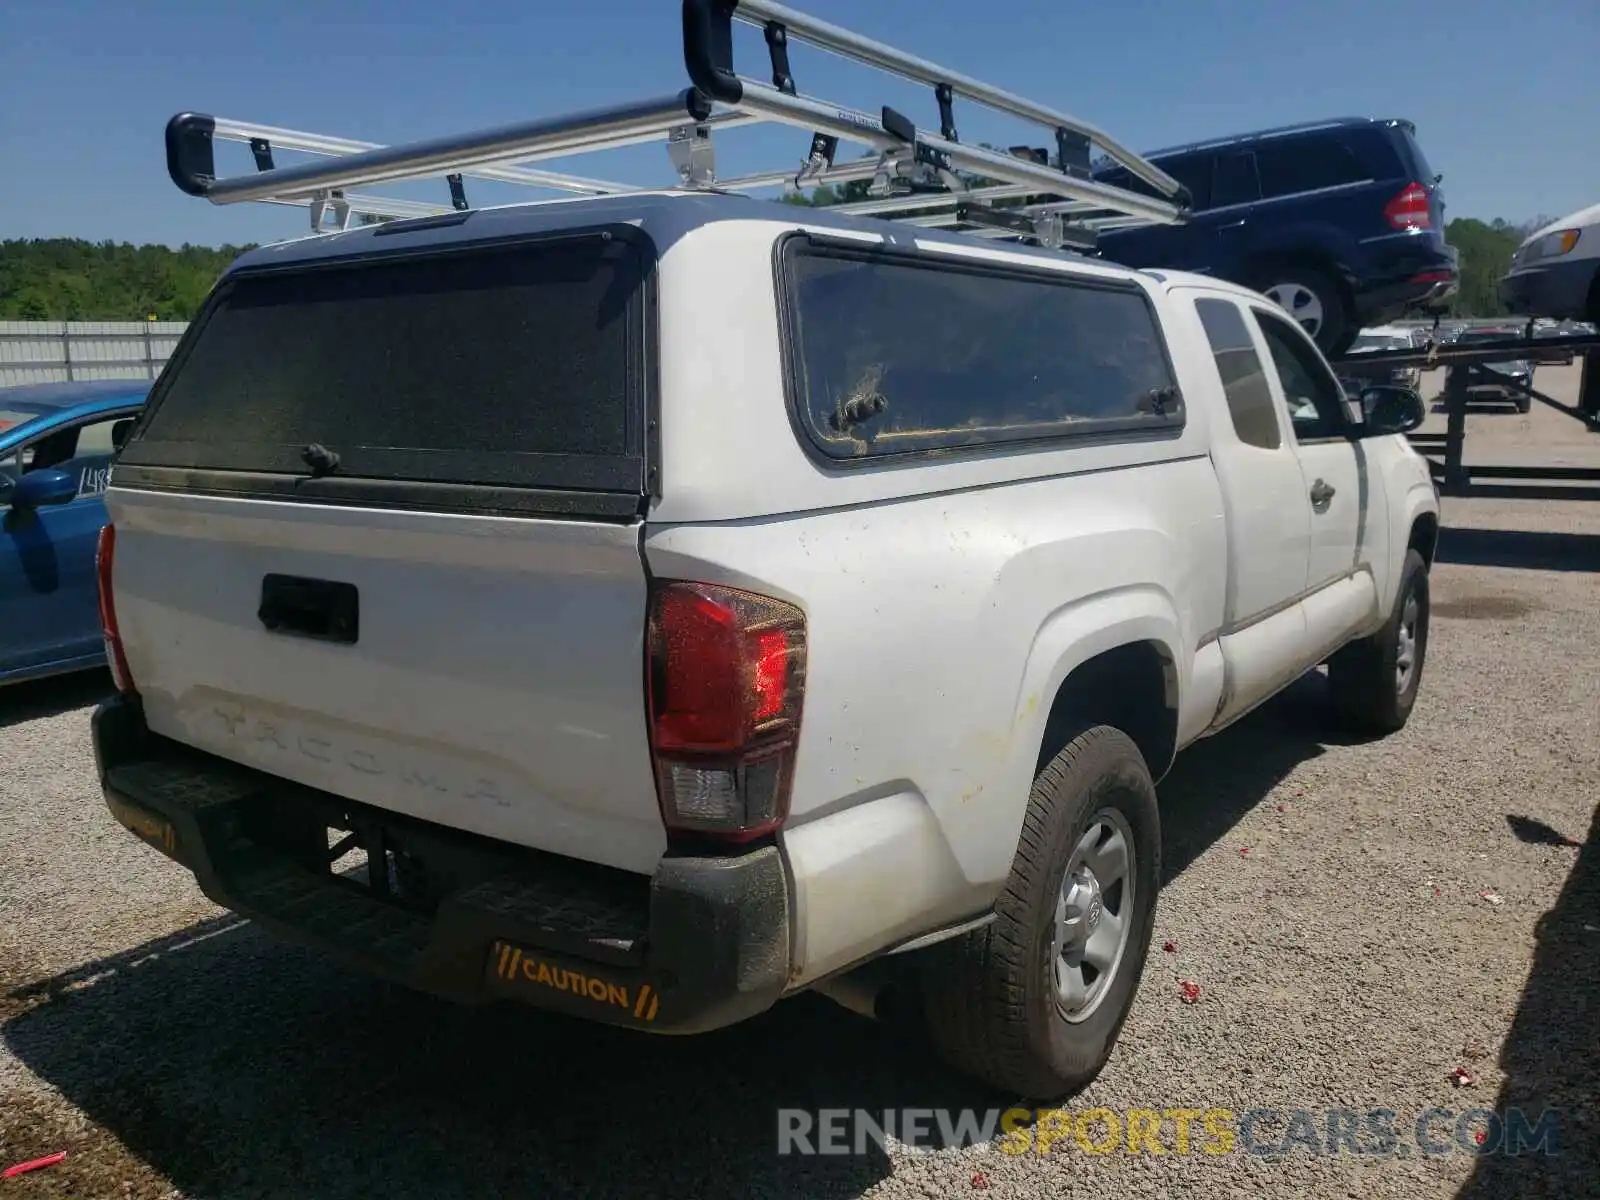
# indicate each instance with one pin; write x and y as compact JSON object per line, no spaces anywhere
{"x":1268,"y":1132}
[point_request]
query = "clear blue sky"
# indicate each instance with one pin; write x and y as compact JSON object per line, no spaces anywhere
{"x":1506,"y":100}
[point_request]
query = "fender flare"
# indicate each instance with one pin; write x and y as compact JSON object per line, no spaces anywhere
{"x":1070,"y":637}
{"x":1420,"y":501}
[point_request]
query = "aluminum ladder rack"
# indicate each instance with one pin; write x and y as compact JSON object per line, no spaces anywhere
{"x":915,"y":175}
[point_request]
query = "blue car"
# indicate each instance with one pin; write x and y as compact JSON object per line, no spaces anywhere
{"x":57,"y":442}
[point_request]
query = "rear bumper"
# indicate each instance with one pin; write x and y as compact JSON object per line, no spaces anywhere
{"x":1385,"y":302}
{"x":701,"y":944}
{"x":1408,"y":273}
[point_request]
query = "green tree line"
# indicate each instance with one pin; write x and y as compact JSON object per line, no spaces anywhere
{"x":66,"y":279}
{"x":1486,"y":251}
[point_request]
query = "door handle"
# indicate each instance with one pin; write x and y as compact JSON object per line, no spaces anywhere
{"x":1321,"y":495}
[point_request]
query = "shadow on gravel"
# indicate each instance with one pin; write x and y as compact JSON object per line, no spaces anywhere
{"x":1551,"y":1057}
{"x":1520,"y":549}
{"x":51,"y":697}
{"x":238,"y":1066}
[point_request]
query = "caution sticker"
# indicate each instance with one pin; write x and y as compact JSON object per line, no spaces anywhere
{"x":516,"y":966}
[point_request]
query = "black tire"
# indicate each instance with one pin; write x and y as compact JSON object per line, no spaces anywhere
{"x":1524,"y":402}
{"x":1337,"y":330}
{"x":1364,"y":675}
{"x":989,"y":999}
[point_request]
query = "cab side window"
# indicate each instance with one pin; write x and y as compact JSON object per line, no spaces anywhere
{"x":1311,"y":392}
{"x":1244,"y":383}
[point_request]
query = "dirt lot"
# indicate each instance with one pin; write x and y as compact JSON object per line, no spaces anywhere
{"x":1327,"y":899}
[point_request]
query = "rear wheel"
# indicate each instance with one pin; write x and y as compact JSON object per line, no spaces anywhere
{"x":1312,"y":299}
{"x":1375,"y":680}
{"x":1033,"y":1002}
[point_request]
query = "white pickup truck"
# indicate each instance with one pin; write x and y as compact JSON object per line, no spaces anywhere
{"x":685,"y":600}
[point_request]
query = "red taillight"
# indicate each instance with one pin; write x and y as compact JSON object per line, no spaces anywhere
{"x":1409,"y":210}
{"x":105,"y":553}
{"x":726,"y":680}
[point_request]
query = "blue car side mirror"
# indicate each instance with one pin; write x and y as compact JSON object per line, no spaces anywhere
{"x":43,"y":487}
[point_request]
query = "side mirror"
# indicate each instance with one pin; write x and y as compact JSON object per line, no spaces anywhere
{"x":1391,"y":409}
{"x":46,"y":486}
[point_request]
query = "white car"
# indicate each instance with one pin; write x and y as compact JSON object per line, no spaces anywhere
{"x":1556,"y":270}
{"x":689,"y":601}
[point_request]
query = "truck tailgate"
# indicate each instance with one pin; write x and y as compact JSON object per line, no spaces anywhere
{"x":378,"y":531}
{"x":495,"y":682}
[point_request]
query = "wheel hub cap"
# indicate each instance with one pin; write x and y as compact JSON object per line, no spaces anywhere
{"x":1405,"y":655}
{"x":1300,"y":302}
{"x":1094,"y":915}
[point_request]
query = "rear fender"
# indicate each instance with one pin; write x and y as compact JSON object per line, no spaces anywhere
{"x":1070,"y":637}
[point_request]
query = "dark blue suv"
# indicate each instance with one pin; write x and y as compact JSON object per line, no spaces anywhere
{"x":1341,"y":222}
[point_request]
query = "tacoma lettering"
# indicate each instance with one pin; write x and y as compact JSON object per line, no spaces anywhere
{"x":265,"y":735}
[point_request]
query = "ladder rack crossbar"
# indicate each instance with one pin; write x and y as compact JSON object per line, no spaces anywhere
{"x":894,"y":206}
{"x":848,"y":172}
{"x":913,"y":173}
{"x":316,"y":143}
{"x":805,"y":113}
{"x":918,"y":70}
{"x":596,"y":129}
{"x":904,"y":207}
{"x":953,"y":220}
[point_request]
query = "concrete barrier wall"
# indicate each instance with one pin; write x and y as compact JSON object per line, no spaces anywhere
{"x":61,"y":351}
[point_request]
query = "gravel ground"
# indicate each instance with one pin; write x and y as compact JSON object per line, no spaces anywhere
{"x":1325,"y":897}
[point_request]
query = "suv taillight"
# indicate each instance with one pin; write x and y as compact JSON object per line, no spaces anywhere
{"x":1409,"y":209}
{"x":726,"y":681}
{"x":105,"y":553}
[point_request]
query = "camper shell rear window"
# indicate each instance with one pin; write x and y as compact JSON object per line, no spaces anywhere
{"x":506,"y":366}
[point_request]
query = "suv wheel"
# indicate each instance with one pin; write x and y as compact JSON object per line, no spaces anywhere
{"x":1311,"y":298}
{"x":1375,"y":680}
{"x":1032,"y":1003}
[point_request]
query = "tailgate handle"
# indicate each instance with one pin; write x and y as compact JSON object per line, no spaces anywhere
{"x":313,"y":608}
